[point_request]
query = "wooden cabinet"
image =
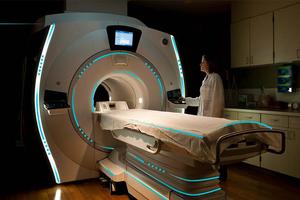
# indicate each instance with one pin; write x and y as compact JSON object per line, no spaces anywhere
{"x":261,"y":39}
{"x":294,"y":122}
{"x":287,"y":163}
{"x":286,"y":34}
{"x":275,"y":120}
{"x":240,"y":44}
{"x":252,"y":41}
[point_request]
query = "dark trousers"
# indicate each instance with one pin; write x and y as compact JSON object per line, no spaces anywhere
{"x":223,"y":172}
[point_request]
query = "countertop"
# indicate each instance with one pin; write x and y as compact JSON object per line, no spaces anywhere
{"x":276,"y":111}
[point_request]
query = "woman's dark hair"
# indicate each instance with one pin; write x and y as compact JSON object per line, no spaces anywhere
{"x":211,"y":63}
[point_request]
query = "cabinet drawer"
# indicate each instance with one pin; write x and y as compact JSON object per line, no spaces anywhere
{"x":249,"y":116}
{"x":294,"y":122}
{"x":230,"y":115}
{"x":275,"y":120}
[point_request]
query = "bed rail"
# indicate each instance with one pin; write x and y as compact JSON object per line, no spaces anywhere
{"x":239,"y":133}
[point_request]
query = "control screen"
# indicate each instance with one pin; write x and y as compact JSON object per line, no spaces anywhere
{"x":123,"y":38}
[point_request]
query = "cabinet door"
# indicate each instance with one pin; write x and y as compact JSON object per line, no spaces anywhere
{"x":249,"y":116}
{"x":261,"y":39}
{"x":240,"y":42}
{"x":286,"y":34}
{"x":289,"y":162}
{"x":275,"y":120}
{"x":230,"y":115}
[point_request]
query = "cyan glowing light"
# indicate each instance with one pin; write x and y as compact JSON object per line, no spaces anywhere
{"x":105,"y":148}
{"x":37,"y":103}
{"x":83,"y":133}
{"x":248,"y":122}
{"x":196,"y":180}
{"x":161,"y":88}
{"x":147,"y":186}
{"x":137,"y":158}
{"x":171,"y":129}
{"x":180,"y":191}
{"x":137,"y":179}
{"x":159,"y":82}
{"x":73,"y":108}
{"x":182,"y":84}
{"x":107,"y":169}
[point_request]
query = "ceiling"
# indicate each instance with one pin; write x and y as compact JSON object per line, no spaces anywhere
{"x":184,"y":6}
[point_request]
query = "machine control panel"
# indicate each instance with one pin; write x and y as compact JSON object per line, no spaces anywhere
{"x":175,"y":97}
{"x":55,"y":100}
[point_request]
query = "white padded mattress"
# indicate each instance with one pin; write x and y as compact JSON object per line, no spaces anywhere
{"x":196,"y":134}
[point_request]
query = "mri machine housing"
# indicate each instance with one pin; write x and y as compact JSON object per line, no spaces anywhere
{"x":133,"y":63}
{"x":78,"y":54}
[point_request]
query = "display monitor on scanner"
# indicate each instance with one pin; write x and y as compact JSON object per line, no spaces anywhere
{"x":123,"y":38}
{"x":175,"y":96}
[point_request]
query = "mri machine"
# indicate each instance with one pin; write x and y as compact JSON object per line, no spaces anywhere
{"x":138,"y":134}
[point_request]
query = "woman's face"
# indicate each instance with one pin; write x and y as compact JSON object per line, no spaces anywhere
{"x":204,"y":67}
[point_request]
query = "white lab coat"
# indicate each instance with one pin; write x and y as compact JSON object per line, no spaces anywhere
{"x":211,"y":100}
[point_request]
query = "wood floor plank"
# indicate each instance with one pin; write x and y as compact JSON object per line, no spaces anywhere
{"x":243,"y":183}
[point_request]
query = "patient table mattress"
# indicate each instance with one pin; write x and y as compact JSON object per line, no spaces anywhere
{"x":195,"y":134}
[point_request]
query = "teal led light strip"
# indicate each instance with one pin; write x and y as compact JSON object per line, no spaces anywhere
{"x":180,"y":191}
{"x":107,"y":169}
{"x":136,"y":158}
{"x":171,"y":129}
{"x":196,"y":180}
{"x":159,"y":82}
{"x":137,"y":179}
{"x":149,"y":165}
{"x":37,"y":103}
{"x":248,"y":122}
{"x":182,"y":84}
{"x":82,"y":132}
{"x":147,"y":186}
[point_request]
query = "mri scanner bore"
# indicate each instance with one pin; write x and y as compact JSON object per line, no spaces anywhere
{"x":129,"y":134}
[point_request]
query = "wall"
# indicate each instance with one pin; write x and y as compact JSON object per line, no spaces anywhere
{"x":107,"y":6}
{"x":249,"y":8}
{"x":256,"y":77}
{"x":198,"y":29}
{"x":23,"y":163}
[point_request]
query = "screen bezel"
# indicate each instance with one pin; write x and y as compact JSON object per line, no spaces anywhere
{"x":111,"y":33}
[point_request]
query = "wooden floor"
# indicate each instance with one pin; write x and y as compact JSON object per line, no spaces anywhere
{"x":244,"y":183}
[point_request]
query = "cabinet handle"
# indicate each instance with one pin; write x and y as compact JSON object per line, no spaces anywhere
{"x":275,"y":120}
{"x":247,"y":60}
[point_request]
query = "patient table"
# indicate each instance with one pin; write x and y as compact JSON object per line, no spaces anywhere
{"x":176,"y":156}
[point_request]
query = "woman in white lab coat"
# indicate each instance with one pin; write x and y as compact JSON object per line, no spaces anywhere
{"x":211,"y":100}
{"x":210,"y":103}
